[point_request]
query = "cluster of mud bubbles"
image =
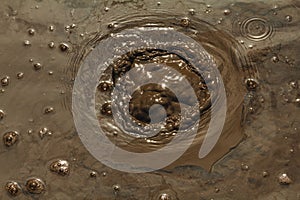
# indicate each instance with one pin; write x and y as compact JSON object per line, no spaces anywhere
{"x":255,"y":46}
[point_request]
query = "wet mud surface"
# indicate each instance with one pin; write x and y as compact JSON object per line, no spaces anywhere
{"x":255,"y":46}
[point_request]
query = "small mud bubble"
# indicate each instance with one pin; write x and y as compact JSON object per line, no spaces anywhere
{"x":37,"y":66}
{"x":27,"y":43}
{"x":10,"y":138}
{"x":275,"y":59}
{"x":104,"y":174}
{"x":13,"y":188}
{"x":51,"y":45}
{"x":2,"y":114}
{"x":244,"y":167}
{"x":116,"y":188}
{"x":64,"y":46}
{"x":31,"y":31}
{"x":48,"y":110}
{"x":106,"y":9}
{"x":185,"y":22}
{"x":20,"y":75}
{"x":250,"y":46}
{"x":44,"y":131}
{"x":284,"y":179}
{"x":51,"y":28}
{"x":289,"y":18}
{"x":226,"y":12}
{"x":106,"y":109}
{"x":111,"y":25}
{"x":105,"y":86}
{"x":60,"y":167}
{"x":251,"y":84}
{"x":5,"y":81}
{"x":265,"y":174}
{"x":164,"y":196}
{"x":93,"y":174}
{"x":35,"y":186}
{"x":297,"y":101}
{"x":294,"y":84}
{"x":73,"y":26}
{"x":192,"y":11}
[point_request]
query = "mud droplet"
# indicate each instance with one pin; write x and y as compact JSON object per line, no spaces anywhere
{"x":288,"y":18}
{"x":5,"y":81}
{"x":164,"y":196}
{"x":284,"y":179}
{"x":227,"y":12}
{"x":10,"y":138}
{"x":64,"y":47}
{"x":27,"y":43}
{"x":37,"y":66}
{"x":60,"y":167}
{"x":51,"y":45}
{"x":35,"y":186}
{"x":158,"y":3}
{"x":106,"y":9}
{"x":13,"y":188}
{"x":31,"y":31}
{"x":275,"y":59}
{"x":20,"y":75}
{"x":106,"y":109}
{"x":2,"y":114}
{"x":50,"y":72}
{"x":185,"y":22}
{"x":251,"y":84}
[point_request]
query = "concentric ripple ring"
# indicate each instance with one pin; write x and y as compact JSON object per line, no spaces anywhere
{"x":256,"y":29}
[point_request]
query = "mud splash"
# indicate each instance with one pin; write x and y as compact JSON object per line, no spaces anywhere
{"x":226,"y":52}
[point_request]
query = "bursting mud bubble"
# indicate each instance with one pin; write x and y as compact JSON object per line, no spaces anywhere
{"x":166,"y":70}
